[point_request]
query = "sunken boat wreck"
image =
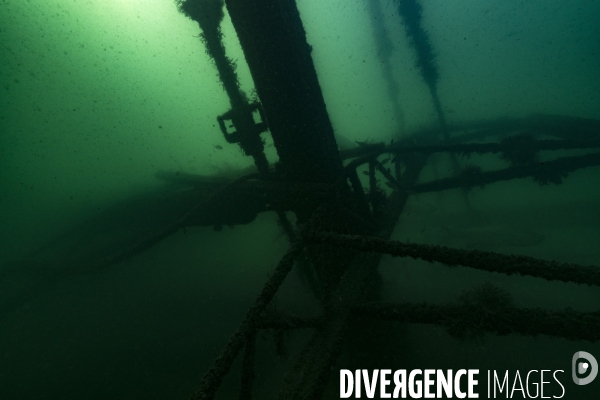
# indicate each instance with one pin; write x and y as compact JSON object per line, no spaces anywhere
{"x":460,"y":243}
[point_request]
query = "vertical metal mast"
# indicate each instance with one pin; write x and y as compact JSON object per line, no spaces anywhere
{"x":279,"y":57}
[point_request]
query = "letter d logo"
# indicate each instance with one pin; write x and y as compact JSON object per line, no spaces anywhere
{"x":583,"y":367}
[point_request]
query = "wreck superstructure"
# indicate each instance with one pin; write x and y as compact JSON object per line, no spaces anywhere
{"x":339,"y":224}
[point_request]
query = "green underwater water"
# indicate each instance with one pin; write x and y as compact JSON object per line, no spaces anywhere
{"x":97,"y":96}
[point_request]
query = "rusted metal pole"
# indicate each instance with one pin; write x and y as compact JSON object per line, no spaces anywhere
{"x":568,"y":324}
{"x":212,"y":379}
{"x":312,"y":369}
{"x":483,"y":260}
{"x":274,"y":43}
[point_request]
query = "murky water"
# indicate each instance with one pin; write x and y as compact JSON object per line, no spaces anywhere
{"x":97,"y":96}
